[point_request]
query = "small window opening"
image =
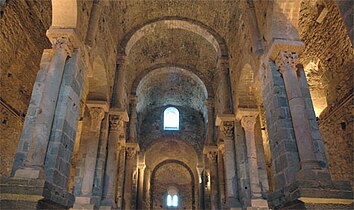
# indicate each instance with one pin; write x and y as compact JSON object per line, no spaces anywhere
{"x":172,"y":200}
{"x":171,"y":119}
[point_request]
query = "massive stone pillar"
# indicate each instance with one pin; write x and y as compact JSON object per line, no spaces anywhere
{"x":226,"y":125}
{"x":248,"y":121}
{"x":211,"y":153}
{"x":131,"y":165}
{"x":97,"y":111}
{"x":40,"y":132}
{"x":286,"y":62}
{"x":299,"y":189}
{"x":116,"y":137}
{"x":42,"y":163}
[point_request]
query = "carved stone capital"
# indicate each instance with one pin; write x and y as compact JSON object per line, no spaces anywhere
{"x":63,"y":38}
{"x":211,"y":152}
{"x":221,"y":148}
{"x":132,"y":149}
{"x":227,"y":128}
{"x":287,"y":61}
{"x":97,"y":111}
{"x":247,"y":117}
{"x":116,"y":123}
{"x":141,"y":166}
{"x":97,"y":115}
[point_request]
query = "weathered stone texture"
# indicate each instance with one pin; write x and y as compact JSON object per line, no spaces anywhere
{"x":337,"y":130}
{"x":11,"y":125}
{"x":21,"y":36}
{"x":191,"y":129}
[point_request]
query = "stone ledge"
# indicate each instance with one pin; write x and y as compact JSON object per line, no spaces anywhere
{"x":36,"y":193}
{"x":304,"y":192}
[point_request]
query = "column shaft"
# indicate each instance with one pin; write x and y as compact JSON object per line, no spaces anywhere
{"x":248,"y":125}
{"x":141,"y":186}
{"x":232,"y":199}
{"x":131,"y":149}
{"x":214,"y":181}
{"x":286,"y":62}
{"x":223,"y":87}
{"x":221,"y":175}
{"x":133,"y":121}
{"x":210,"y":131}
{"x":97,"y":114}
{"x":121,"y":173}
{"x":40,"y":137}
{"x":116,"y":127}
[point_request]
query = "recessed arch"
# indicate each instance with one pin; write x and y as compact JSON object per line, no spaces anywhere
{"x":185,"y":70}
{"x":166,"y":162}
{"x":174,"y":22}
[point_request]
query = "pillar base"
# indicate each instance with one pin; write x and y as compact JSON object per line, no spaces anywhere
{"x":108,"y":204}
{"x":313,"y":194}
{"x":83,"y":202}
{"x":30,"y":173}
{"x":259,"y":203}
{"x":20,"y":193}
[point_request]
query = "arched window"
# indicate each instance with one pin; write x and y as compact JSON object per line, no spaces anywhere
{"x":171,"y":119}
{"x":172,"y":201}
{"x":172,"y":197}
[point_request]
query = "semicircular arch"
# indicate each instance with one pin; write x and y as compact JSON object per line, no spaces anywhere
{"x":174,"y":22}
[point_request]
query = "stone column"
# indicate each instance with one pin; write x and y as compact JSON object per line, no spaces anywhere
{"x":121,"y":174}
{"x":63,"y":45}
{"x":97,"y":110}
{"x":119,"y":94}
{"x":226,"y":125}
{"x":132,"y":150}
{"x":133,"y":119}
{"x":200,"y":171}
{"x":211,"y":153}
{"x":210,"y":132}
{"x":115,"y":136}
{"x":147,"y":176}
{"x":287,"y":61}
{"x":221,"y":173}
{"x":93,"y":22}
{"x":248,"y":121}
{"x":141,"y":168}
{"x":223,"y":88}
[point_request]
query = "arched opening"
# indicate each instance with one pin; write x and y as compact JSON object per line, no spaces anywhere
{"x":171,"y":119}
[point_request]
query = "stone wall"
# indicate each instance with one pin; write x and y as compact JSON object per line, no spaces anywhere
{"x":192,"y":127}
{"x":22,"y":40}
{"x":328,"y":44}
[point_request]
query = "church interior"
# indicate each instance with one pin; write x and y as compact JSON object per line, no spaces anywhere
{"x":176,"y":104}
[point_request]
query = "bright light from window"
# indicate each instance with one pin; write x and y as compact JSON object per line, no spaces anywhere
{"x":169,"y":200}
{"x":175,"y":201}
{"x":172,"y":201}
{"x":171,"y":119}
